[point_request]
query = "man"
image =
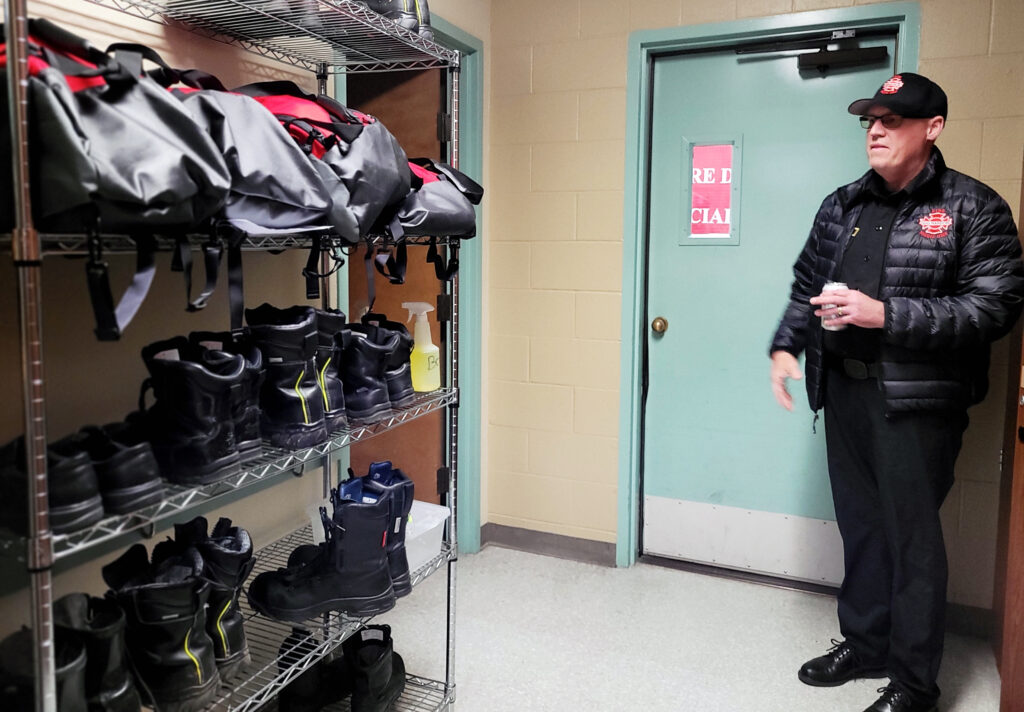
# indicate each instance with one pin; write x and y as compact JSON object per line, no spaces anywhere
{"x":934,"y":274}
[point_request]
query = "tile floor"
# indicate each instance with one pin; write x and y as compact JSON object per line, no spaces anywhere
{"x":536,"y":633}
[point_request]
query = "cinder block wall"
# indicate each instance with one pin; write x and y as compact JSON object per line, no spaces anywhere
{"x":558,"y":86}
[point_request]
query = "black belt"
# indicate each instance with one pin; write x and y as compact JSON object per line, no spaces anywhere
{"x":856,"y":369}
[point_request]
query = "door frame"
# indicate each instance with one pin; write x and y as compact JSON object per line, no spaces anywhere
{"x":644,"y":46}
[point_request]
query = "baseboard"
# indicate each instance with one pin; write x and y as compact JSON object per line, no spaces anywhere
{"x":960,"y":619}
{"x":557,"y":545}
{"x":970,"y":620}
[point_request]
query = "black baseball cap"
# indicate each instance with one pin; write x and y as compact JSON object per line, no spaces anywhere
{"x":907,"y":94}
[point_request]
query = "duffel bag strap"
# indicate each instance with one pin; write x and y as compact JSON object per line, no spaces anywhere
{"x":391,"y":265}
{"x":111,"y":321}
{"x":442,"y":271}
{"x":213,"y":252}
{"x":311,"y":270}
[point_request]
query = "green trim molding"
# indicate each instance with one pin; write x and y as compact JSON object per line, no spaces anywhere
{"x":643,"y":47}
{"x":471,"y":161}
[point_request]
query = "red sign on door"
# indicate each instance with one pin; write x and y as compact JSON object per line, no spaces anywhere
{"x":711,"y":191}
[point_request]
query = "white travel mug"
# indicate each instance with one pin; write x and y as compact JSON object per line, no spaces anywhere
{"x":831,"y":287}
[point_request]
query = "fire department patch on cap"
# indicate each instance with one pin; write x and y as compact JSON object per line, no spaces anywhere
{"x":935,"y":224}
{"x":892,"y":85}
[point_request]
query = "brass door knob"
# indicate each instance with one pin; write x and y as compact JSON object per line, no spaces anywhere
{"x":660,"y":325}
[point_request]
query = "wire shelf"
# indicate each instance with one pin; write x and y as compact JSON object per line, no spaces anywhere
{"x":331,"y":36}
{"x":270,"y":463}
{"x":280,"y":652}
{"x":72,"y":245}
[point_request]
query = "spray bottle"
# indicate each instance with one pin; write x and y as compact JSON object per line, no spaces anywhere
{"x":425,"y":359}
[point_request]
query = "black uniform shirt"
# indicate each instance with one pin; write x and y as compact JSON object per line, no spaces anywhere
{"x":861,"y":269}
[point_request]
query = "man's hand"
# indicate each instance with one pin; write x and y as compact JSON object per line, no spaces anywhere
{"x":851,"y":307}
{"x":784,"y":365}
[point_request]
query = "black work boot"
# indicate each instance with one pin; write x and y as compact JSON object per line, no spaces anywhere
{"x":100,"y":624}
{"x":190,"y":425}
{"x":165,"y":607}
{"x":348,"y":572}
{"x":326,"y":682}
{"x":397,"y":368}
{"x":291,"y":399}
{"x":17,"y":673}
{"x":364,"y":362}
{"x":72,"y":487}
{"x":245,"y":400}
{"x":227,"y":562}
{"x":392,"y":482}
{"x":328,"y":367}
{"x":403,"y":12}
{"x":378,"y":672}
{"x":127,"y":470}
{"x":423,"y":16}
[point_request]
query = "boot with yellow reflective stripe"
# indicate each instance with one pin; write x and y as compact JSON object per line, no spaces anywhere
{"x":291,"y":400}
{"x":227,"y":562}
{"x":165,"y":611}
{"x":328,"y":367}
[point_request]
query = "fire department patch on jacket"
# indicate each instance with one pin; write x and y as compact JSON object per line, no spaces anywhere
{"x":935,"y":224}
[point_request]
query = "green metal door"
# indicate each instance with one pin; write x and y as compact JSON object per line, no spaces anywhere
{"x":743,"y":149}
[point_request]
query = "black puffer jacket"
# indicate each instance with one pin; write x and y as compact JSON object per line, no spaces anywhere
{"x":952,"y":283}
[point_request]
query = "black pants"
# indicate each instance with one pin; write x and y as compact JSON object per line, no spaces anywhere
{"x":889,"y":477}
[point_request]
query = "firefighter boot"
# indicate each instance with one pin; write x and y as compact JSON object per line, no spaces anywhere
{"x":291,"y":401}
{"x":100,"y":624}
{"x":165,"y":607}
{"x":17,"y":673}
{"x":364,"y":362}
{"x":348,"y":572}
{"x":378,"y":672}
{"x":328,"y":367}
{"x":384,"y":480}
{"x":245,"y":400}
{"x":227,"y":561}
{"x":190,"y":425}
{"x":397,"y":368}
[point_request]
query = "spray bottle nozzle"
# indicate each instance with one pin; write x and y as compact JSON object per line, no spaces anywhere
{"x":417,"y":309}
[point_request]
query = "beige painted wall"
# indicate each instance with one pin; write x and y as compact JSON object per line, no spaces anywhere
{"x":558,"y":90}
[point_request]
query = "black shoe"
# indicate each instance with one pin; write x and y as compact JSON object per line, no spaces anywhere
{"x":894,"y":699}
{"x":839,"y":665}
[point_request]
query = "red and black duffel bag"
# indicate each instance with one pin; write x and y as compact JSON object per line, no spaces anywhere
{"x":110,"y":150}
{"x":361,"y":163}
{"x":441,"y":201}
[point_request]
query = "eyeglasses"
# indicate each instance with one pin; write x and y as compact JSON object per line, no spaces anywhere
{"x":889,"y":121}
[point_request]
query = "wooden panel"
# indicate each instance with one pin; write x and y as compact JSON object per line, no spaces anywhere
{"x":1009,"y":601}
{"x":408,"y":104}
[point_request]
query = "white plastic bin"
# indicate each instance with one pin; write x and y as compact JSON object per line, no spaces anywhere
{"x":424,"y":532}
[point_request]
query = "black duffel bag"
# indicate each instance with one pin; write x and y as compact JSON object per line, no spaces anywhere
{"x":111,"y":151}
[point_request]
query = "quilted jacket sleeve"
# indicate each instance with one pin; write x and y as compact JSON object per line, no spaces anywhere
{"x":989,"y":290}
{"x":791,"y":334}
